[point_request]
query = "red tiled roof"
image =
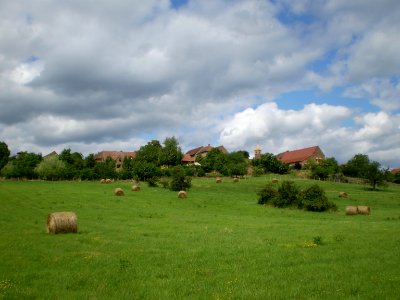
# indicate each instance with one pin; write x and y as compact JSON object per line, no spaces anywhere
{"x":187,"y":158}
{"x":194,"y":151}
{"x":299,"y":155}
{"x":395,"y":171}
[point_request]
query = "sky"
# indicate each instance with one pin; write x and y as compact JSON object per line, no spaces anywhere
{"x":113,"y":75}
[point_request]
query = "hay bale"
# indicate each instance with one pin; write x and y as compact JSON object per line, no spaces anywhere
{"x":135,"y":188}
{"x":343,"y":195}
{"x":182,"y":194}
{"x":108,"y":180}
{"x":235,"y":179}
{"x":118,"y":192}
{"x":102,"y":181}
{"x":351,"y":210}
{"x":62,"y":222}
{"x":363,"y":210}
{"x":218,"y":180}
{"x":274,"y":180}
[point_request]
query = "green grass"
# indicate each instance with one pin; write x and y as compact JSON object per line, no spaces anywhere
{"x":215,"y":244}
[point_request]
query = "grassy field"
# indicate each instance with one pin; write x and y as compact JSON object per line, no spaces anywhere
{"x":218,"y":243}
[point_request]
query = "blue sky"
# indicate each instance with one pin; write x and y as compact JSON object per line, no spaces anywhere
{"x":282,"y":74}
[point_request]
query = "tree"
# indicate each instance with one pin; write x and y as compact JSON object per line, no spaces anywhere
{"x":214,"y":161}
{"x":74,"y":163}
{"x":356,"y":166}
{"x":22,"y":165}
{"x":105,"y":169}
{"x":375,"y":175}
{"x":324,"y":168}
{"x":149,"y":153}
{"x":179,"y":182}
{"x":50,"y":168}
{"x":4,"y":154}
{"x":271,"y":164}
{"x":171,"y":154}
{"x":236,"y":163}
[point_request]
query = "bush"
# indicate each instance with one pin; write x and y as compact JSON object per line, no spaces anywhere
{"x":289,"y":195}
{"x":179,"y":182}
{"x":267,"y":194}
{"x":314,"y":199}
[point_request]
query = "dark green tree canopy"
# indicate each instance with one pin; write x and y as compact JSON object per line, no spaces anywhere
{"x":171,"y":153}
{"x":4,"y":154}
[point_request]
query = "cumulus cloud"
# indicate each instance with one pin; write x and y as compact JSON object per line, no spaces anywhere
{"x":91,"y":76}
{"x":277,"y":130}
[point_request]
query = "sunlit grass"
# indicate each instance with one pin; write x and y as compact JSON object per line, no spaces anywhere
{"x":215,"y":244}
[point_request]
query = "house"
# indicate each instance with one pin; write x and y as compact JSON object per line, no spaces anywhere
{"x":395,"y":171}
{"x":117,"y":156}
{"x":301,"y":157}
{"x":54,"y":153}
{"x":190,"y":156}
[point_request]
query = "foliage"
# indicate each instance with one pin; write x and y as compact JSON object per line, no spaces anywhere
{"x":288,"y":194}
{"x":51,"y":168}
{"x":375,"y":175}
{"x":314,"y":199}
{"x":149,"y":153}
{"x":179,"y":181}
{"x":22,"y":166}
{"x":171,"y":154}
{"x":267,"y":194}
{"x":4,"y":154}
{"x":146,"y":171}
{"x":324,"y":168}
{"x":105,"y":169}
{"x":271,"y":164}
{"x":236,"y":163}
{"x":74,"y":163}
{"x":214,"y":161}
{"x":356,"y":166}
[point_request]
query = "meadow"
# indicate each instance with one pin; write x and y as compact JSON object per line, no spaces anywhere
{"x":218,"y":243}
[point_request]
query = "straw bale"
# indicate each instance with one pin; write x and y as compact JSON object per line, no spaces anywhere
{"x":108,"y":180}
{"x":62,"y":222}
{"x":182,"y":194}
{"x":351,"y":210}
{"x":102,"y":181}
{"x":274,"y":180}
{"x":118,"y":192}
{"x":135,"y":188}
{"x":363,"y":210}
{"x":235,"y":179}
{"x":343,"y":195}
{"x":218,"y":180}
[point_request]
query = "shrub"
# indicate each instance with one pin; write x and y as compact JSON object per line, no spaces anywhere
{"x":288,"y":195}
{"x":314,"y":199}
{"x":164,"y":183}
{"x":267,"y":194}
{"x":179,"y":182}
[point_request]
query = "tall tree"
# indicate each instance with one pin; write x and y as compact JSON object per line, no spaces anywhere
{"x":4,"y":154}
{"x":149,"y":153}
{"x":51,"y":168}
{"x":356,"y":166}
{"x":171,"y":154}
{"x":375,"y":175}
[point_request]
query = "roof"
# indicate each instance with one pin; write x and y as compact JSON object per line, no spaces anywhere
{"x":299,"y":155}
{"x":395,"y":171}
{"x":205,"y":149}
{"x":194,"y":151}
{"x":187,"y":158}
{"x":114,"y":155}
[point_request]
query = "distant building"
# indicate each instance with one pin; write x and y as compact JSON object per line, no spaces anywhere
{"x":117,"y":156}
{"x":54,"y":153}
{"x":257,"y":152}
{"x":301,"y":156}
{"x":190,"y":156}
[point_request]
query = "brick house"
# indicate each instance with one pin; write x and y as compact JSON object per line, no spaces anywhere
{"x":190,"y":156}
{"x":117,"y":156}
{"x":301,"y":156}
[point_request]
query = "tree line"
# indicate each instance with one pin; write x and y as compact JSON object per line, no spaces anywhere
{"x":155,"y":160}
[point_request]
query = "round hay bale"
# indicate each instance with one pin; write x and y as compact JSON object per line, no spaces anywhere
{"x":135,"y":188}
{"x":363,"y":210}
{"x":62,"y":222}
{"x":182,"y":194}
{"x":102,"y":181}
{"x":343,"y":195}
{"x":108,"y":180}
{"x":118,"y":192}
{"x":235,"y":179}
{"x":218,"y":180}
{"x":274,"y":180}
{"x":351,"y":210}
